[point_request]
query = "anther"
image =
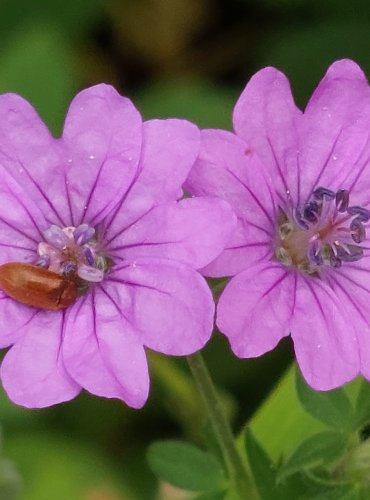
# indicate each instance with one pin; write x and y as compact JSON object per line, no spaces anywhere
{"x":350,"y":254}
{"x":43,"y":261}
{"x":89,"y":256}
{"x":300,"y":220}
{"x":362,"y":213}
{"x":56,"y":237}
{"x":342,"y":200}
{"x":358,"y":231}
{"x":321,"y":192}
{"x":83,"y":234}
{"x":311,"y":211}
{"x":69,"y":267}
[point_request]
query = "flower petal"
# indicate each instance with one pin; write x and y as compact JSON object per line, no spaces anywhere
{"x":169,"y":303}
{"x":255,"y":308}
{"x":325,"y":342}
{"x":228,"y":169}
{"x":32,"y":371}
{"x":266,"y":117}
{"x":335,"y":139}
{"x":31,"y":155}
{"x":102,"y":352}
{"x":14,"y":319}
{"x":351,"y":284}
{"x":246,"y":245}
{"x":170,"y":148}
{"x":193,"y":231}
{"x":102,"y":134}
{"x":21,"y":222}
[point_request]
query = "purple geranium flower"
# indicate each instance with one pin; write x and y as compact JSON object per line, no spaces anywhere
{"x":300,"y":185}
{"x":101,"y":205}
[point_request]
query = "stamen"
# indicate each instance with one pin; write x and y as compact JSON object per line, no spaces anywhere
{"x":311,"y":211}
{"x":43,"y":261}
{"x":342,"y":200}
{"x":89,"y":273}
{"x":69,"y":267}
{"x":56,"y":237}
{"x":358,"y":231}
{"x":316,"y":236}
{"x":90,"y":259}
{"x":351,"y":254}
{"x":83,"y":234}
{"x":300,"y":220}
{"x":314,"y":253}
{"x":362,"y":213}
{"x":321,"y":193}
{"x":334,"y":261}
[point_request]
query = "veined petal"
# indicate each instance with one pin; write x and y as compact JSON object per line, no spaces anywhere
{"x":14,"y":319}
{"x":255,"y":309}
{"x":170,"y":148}
{"x":102,"y":135}
{"x":351,"y":284}
{"x":33,"y":372}
{"x":227,"y":168}
{"x":169,"y":304}
{"x":266,"y":117}
{"x":334,"y":133}
{"x":325,"y":341}
{"x":21,"y":222}
{"x":31,"y":155}
{"x":101,"y":350}
{"x":246,"y":245}
{"x":193,"y":231}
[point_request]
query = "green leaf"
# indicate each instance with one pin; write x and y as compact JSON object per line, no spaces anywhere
{"x":333,"y":408}
{"x":262,"y":467}
{"x":362,"y":407}
{"x":320,"y":449}
{"x":186,"y":466}
{"x":281,"y":423}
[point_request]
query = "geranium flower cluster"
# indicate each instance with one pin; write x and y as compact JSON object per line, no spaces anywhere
{"x":281,"y":206}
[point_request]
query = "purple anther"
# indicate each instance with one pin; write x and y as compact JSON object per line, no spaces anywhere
{"x":300,"y":220}
{"x":43,"y":261}
{"x":362,"y":213}
{"x":342,"y":200}
{"x":83,"y":234}
{"x":89,"y":256}
{"x":322,"y":192}
{"x":311,"y":211}
{"x":358,"y":231}
{"x":350,"y":254}
{"x":314,"y":253}
{"x":334,"y":260}
{"x":89,"y":273}
{"x":69,"y":267}
{"x":56,"y":237}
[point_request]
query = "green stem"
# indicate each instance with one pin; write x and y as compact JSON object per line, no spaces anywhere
{"x":221,"y":427}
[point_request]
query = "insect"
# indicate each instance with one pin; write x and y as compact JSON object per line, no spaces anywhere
{"x":37,"y":287}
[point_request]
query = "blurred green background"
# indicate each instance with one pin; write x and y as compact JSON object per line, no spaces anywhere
{"x":182,"y":58}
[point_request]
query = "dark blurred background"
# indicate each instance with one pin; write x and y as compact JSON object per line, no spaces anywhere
{"x":180,"y":58}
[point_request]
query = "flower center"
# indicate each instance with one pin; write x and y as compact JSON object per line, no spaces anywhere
{"x":326,"y":232}
{"x":73,"y":251}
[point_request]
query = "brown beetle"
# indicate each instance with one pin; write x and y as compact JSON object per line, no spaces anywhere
{"x":37,"y":287}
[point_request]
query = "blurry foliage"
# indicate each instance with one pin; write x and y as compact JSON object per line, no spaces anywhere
{"x":191,"y":59}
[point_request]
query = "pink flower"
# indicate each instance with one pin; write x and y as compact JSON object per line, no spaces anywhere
{"x":101,"y":204}
{"x":299,"y":258}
